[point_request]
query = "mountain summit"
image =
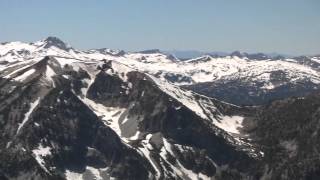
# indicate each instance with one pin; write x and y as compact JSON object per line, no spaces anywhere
{"x":55,"y":42}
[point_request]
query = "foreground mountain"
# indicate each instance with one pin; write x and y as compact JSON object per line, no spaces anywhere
{"x":69,"y":114}
{"x":238,"y":78}
{"x":71,"y":119}
{"x":289,"y":134}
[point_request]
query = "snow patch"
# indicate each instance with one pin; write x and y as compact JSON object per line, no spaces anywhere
{"x":268,"y":86}
{"x":231,"y":124}
{"x":49,"y":74}
{"x":73,"y":175}
{"x":110,"y":115}
{"x":183,"y":96}
{"x":135,"y":137}
{"x":146,"y":153}
{"x":33,"y":105}
{"x":95,"y":172}
{"x":25,"y":75}
{"x":40,"y":153}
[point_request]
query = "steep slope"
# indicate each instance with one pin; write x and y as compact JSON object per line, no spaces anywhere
{"x":49,"y":133}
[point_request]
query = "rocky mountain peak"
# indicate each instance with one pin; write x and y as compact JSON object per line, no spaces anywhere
{"x":56,"y":42}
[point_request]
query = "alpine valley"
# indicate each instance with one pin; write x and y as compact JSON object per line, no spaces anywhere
{"x":106,"y":114}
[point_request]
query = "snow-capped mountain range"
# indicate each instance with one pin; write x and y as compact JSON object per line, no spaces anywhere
{"x":262,"y":78}
{"x":198,"y":70}
{"x":108,"y":114}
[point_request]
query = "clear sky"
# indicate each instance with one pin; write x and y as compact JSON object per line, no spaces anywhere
{"x":284,"y":26}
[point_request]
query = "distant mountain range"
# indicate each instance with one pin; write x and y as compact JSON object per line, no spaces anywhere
{"x":189,"y":54}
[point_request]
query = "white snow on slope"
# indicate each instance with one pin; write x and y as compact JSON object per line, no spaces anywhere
{"x":49,"y":74}
{"x":231,"y":124}
{"x":135,"y":136}
{"x":316,"y":59}
{"x":110,"y":115}
{"x":25,"y":75}
{"x":70,"y":175}
{"x":90,"y":171}
{"x":33,"y":105}
{"x":63,"y":61}
{"x":18,"y":66}
{"x":183,"y":96}
{"x":95,"y":172}
{"x":145,"y":149}
{"x":15,"y":71}
{"x":40,"y":153}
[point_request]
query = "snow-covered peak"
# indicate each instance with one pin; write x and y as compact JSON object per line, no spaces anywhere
{"x":34,"y":46}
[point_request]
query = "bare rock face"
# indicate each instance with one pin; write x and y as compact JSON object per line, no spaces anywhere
{"x":55,"y":42}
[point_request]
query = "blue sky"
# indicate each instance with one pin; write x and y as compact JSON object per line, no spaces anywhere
{"x":285,"y":26}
